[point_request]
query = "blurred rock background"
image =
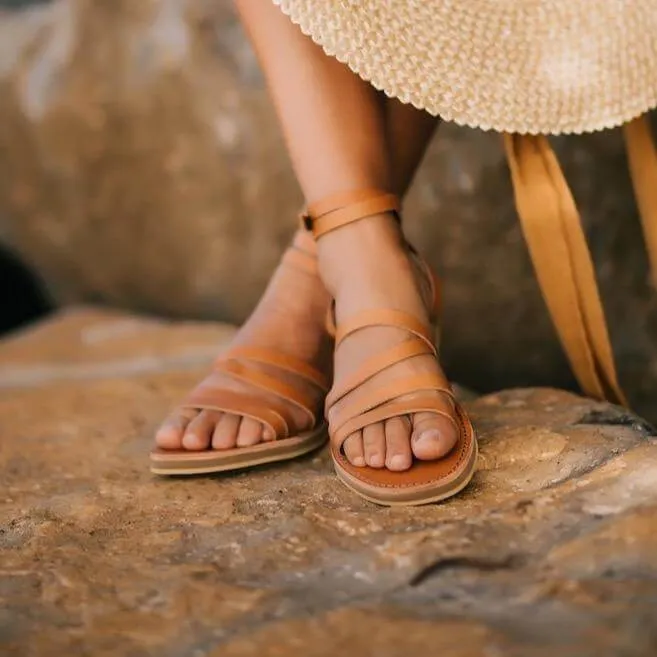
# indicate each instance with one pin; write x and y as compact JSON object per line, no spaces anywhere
{"x":141,"y":167}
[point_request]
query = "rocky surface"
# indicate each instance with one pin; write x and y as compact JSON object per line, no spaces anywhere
{"x":142,"y":166}
{"x":551,"y":550}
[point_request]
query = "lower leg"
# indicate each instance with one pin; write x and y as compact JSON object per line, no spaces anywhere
{"x":408,"y":131}
{"x":333,"y":133}
{"x":295,"y":308}
{"x":335,"y":128}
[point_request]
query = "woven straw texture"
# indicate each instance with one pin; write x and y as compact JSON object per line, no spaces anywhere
{"x":525,"y":66}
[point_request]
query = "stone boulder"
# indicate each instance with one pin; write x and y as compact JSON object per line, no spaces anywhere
{"x":143,"y":167}
{"x":552,"y":549}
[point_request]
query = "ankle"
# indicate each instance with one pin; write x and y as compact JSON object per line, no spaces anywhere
{"x":365,"y":251}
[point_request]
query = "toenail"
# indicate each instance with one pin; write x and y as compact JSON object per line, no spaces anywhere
{"x":398,"y":461}
{"x":430,"y":437}
{"x":358,"y":461}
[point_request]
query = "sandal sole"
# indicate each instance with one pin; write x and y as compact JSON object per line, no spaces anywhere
{"x":430,"y":499}
{"x":183,"y":462}
{"x":404,"y":494}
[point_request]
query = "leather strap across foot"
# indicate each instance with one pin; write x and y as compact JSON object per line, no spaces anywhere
{"x":276,"y":414}
{"x":359,"y":400}
{"x":245,"y":364}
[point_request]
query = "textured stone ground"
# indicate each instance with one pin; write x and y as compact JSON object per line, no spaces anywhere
{"x":551,"y":551}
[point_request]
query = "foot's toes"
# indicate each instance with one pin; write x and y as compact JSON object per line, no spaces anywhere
{"x":225,"y":433}
{"x":353,"y":449}
{"x":398,"y":443}
{"x":250,"y":432}
{"x":198,"y":434}
{"x":170,"y":433}
{"x":433,"y":436}
{"x":374,"y":445}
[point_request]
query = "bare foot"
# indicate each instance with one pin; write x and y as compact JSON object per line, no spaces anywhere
{"x":290,"y":319}
{"x":377,"y":276}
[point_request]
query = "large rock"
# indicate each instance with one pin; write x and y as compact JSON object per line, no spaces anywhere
{"x":142,"y":166}
{"x":551,"y":550}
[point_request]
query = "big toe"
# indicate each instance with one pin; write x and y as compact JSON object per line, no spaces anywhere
{"x":433,"y":437}
{"x":171,"y":431}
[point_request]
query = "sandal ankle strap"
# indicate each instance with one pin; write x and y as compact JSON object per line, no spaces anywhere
{"x":341,"y":209}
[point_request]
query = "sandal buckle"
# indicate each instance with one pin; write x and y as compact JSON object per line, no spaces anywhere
{"x":306,"y":221}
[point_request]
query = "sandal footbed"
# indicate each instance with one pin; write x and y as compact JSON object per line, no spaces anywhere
{"x":424,"y":482}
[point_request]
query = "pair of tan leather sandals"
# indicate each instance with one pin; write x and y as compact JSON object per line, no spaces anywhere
{"x":349,"y":407}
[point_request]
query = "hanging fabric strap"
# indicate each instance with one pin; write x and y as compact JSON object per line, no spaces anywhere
{"x":563,"y":265}
{"x":642,"y":157}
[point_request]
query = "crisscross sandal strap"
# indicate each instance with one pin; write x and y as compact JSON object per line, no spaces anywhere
{"x":351,"y":405}
{"x":272,"y":415}
{"x":387,"y":318}
{"x":388,"y":402}
{"x":375,"y":365}
{"x":238,"y":364}
{"x":300,"y":398}
{"x":341,"y":209}
{"x":281,"y":361}
{"x":642,"y":158}
{"x":563,"y":265}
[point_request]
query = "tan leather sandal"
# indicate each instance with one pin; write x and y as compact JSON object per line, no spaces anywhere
{"x":238,"y":363}
{"x":350,"y":406}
